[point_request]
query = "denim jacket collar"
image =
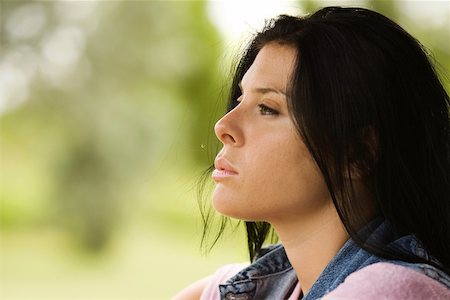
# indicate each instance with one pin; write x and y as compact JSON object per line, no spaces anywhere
{"x":269,"y":277}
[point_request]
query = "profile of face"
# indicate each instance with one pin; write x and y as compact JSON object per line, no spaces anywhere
{"x":264,"y":172}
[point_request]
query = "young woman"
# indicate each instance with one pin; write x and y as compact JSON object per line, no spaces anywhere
{"x":337,"y":137}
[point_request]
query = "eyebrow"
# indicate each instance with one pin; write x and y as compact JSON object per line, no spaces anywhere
{"x":265,"y":90}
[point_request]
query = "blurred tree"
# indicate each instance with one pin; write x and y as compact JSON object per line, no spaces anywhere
{"x":115,"y":86}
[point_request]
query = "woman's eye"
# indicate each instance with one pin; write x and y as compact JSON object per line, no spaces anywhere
{"x":265,"y":110}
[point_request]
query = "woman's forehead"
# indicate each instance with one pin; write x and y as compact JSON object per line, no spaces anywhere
{"x":272,"y":68}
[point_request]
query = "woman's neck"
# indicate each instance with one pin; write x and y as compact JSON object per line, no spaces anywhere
{"x":311,"y":242}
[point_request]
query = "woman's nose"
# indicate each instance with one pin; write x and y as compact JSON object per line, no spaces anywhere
{"x":228,"y":130}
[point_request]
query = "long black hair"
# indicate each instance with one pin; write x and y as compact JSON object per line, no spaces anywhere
{"x":366,"y":100}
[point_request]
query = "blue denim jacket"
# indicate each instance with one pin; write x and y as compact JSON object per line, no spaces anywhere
{"x":272,"y":277}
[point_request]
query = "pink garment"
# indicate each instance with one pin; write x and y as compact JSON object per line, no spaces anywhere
{"x":388,"y":281}
{"x":378,"y":281}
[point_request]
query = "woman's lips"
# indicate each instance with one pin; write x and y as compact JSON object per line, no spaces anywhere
{"x":223,"y":169}
{"x":217,"y":175}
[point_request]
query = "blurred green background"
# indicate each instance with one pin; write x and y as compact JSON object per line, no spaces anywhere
{"x":106,"y":111}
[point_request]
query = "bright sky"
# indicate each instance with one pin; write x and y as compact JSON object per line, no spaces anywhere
{"x":238,"y":19}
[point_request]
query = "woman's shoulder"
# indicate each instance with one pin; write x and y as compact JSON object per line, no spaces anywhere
{"x":389,"y":281}
{"x":208,"y":287}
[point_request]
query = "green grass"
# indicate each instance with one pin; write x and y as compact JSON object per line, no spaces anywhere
{"x":141,"y":264}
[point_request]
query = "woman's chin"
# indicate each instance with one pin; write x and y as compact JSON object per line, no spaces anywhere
{"x":229,"y":206}
{"x":221,"y":202}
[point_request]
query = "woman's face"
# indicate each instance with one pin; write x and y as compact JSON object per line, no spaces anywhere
{"x":264,"y":171}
